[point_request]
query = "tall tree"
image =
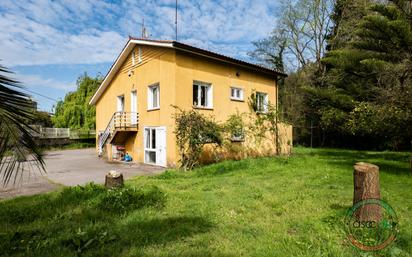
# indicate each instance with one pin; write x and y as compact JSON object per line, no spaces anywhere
{"x":296,"y":45}
{"x":299,"y":37}
{"x":18,"y":151}
{"x":74,"y":111}
{"x":345,"y":15}
{"x":374,"y":72}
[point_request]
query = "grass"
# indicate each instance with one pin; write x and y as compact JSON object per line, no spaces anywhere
{"x":256,"y":207}
{"x":71,"y":146}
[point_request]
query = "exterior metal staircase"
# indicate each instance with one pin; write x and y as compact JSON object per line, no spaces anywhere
{"x":119,"y":121}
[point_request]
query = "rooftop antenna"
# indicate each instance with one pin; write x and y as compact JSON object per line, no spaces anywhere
{"x":176,"y":21}
{"x":145,"y":34}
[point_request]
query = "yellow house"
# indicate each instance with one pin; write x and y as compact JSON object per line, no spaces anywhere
{"x":134,"y":103}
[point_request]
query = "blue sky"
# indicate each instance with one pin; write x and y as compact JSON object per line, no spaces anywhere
{"x":49,"y":44}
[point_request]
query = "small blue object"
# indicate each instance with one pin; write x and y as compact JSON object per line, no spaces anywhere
{"x":127,"y":158}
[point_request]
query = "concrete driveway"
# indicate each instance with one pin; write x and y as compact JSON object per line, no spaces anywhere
{"x":70,"y":168}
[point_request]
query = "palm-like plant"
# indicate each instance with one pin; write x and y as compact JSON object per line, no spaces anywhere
{"x":18,"y":151}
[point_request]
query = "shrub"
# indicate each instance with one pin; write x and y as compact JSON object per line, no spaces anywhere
{"x":77,"y":193}
{"x":235,"y":127}
{"x":81,"y":240}
{"x":193,"y":131}
{"x":125,"y":199}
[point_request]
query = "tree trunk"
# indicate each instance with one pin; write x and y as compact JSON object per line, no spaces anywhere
{"x":366,"y":186}
{"x":113,"y":180}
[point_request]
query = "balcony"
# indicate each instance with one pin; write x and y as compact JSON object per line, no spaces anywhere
{"x":125,"y":120}
{"x":121,"y":126}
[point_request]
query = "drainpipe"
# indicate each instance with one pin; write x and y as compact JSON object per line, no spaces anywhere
{"x":276,"y":116}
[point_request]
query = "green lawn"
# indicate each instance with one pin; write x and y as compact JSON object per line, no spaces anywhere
{"x":257,"y":207}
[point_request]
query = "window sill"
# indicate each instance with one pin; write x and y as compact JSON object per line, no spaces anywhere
{"x":203,"y":108}
{"x":237,"y":99}
{"x":153,"y":109}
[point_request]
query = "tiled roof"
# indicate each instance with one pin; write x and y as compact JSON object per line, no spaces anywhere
{"x":183,"y":46}
{"x":180,"y":47}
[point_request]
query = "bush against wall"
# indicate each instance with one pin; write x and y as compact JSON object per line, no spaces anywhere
{"x":264,"y":124}
{"x":193,"y":130}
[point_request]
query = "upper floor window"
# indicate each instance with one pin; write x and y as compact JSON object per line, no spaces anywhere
{"x":261,"y":102}
{"x":133,"y":58}
{"x":202,"y":94}
{"x":236,"y":93}
{"x":153,"y":97}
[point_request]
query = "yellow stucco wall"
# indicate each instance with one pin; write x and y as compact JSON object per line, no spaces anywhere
{"x":175,"y":71}
{"x":157,"y":66}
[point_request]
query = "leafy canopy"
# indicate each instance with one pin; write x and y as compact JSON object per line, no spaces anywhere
{"x":74,"y":111}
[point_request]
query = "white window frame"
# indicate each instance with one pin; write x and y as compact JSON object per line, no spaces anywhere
{"x":150,"y":103}
{"x":264,"y":104}
{"x":208,"y":95}
{"x":139,"y":55}
{"x":148,"y":143}
{"x":133,"y":58}
{"x":133,"y":107}
{"x":120,"y":103}
{"x":235,"y":97}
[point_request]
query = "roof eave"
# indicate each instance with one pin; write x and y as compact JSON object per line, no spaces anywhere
{"x":119,"y":61}
{"x":227,"y":59}
{"x":176,"y":45}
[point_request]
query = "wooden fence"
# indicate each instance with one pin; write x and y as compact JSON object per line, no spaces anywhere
{"x":61,"y":133}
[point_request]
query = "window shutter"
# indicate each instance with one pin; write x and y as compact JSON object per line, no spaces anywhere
{"x":210,"y":96}
{"x":266,"y":102}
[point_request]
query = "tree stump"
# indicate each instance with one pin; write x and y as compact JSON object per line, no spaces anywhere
{"x":366,"y":186}
{"x":113,"y":179}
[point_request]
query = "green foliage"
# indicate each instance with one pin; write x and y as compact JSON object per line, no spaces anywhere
{"x":262,"y":123}
{"x":193,"y":130}
{"x":77,"y":221}
{"x":18,"y":150}
{"x":367,"y":68}
{"x":234,"y":127}
{"x":82,"y":240}
{"x":42,"y":118}
{"x":274,"y":206}
{"x":374,"y":71}
{"x":79,"y":193}
{"x":269,"y":52}
{"x":125,"y":199}
{"x":74,"y":111}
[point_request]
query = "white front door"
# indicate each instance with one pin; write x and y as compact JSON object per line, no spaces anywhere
{"x":155,"y":145}
{"x":133,"y":108}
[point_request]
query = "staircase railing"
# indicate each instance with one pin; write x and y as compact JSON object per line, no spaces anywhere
{"x":118,"y":120}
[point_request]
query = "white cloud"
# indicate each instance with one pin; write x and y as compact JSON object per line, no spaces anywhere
{"x":36,"y":81}
{"x":87,"y":32}
{"x":27,"y":42}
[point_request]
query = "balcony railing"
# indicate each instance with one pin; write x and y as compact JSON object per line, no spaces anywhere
{"x":125,"y":119}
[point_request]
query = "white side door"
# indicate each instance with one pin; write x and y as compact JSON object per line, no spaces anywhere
{"x":161,"y":146}
{"x":133,"y":107}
